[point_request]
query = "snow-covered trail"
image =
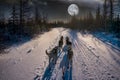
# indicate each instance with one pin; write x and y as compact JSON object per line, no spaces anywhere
{"x":25,"y":61}
{"x":92,"y":60}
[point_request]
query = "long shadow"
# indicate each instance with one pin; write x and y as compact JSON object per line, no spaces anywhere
{"x":64,"y":59}
{"x":68,"y":74}
{"x":64,"y":64}
{"x":73,"y":34}
{"x":48,"y":72}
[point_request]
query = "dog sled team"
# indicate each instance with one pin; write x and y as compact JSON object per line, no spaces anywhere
{"x":53,"y":54}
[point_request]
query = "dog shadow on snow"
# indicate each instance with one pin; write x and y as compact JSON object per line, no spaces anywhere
{"x":49,"y":69}
{"x":63,"y":64}
{"x":48,"y":72}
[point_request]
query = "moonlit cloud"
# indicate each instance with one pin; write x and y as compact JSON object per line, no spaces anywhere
{"x":56,"y":9}
{"x":87,"y":1}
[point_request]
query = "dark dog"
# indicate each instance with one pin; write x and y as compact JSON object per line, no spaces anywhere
{"x":60,"y":42}
{"x":52,"y":55}
{"x":68,"y":43}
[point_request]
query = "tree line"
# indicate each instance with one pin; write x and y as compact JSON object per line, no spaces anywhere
{"x":20,"y":23}
{"x":106,"y":19}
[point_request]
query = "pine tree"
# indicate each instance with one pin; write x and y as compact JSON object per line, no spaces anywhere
{"x":105,"y":13}
{"x":98,"y":13}
{"x":21,"y":13}
{"x":90,"y":20}
{"x":24,"y":11}
{"x":13,"y":21}
{"x":2,"y":17}
{"x":36,"y":14}
{"x":117,"y":27}
{"x":24,"y":14}
{"x":111,"y":10}
{"x":105,"y":10}
{"x":98,"y":17}
{"x":14,"y":16}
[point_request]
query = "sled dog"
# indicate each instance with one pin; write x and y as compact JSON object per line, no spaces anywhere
{"x":60,"y":42}
{"x":52,"y":54}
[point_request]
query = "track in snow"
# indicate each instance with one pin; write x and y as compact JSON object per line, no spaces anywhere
{"x":89,"y":63}
{"x":92,"y":59}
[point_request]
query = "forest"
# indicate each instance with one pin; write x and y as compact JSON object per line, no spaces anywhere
{"x":20,"y":24}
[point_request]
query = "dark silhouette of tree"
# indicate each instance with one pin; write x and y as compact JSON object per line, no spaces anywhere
{"x":98,"y":18}
{"x":15,"y":15}
{"x":2,"y":17}
{"x":117,"y":27}
{"x":36,"y":14}
{"x":13,"y":21}
{"x":24,"y":11}
{"x":21,"y":13}
{"x":2,"y":22}
{"x":24,"y":14}
{"x":98,"y":15}
{"x":111,"y":14}
{"x":90,"y":20}
{"x":105,"y":13}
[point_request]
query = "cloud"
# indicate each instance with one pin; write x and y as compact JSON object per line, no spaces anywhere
{"x":57,"y":9}
{"x":85,"y":3}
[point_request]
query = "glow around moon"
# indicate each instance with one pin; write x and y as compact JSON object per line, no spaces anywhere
{"x":73,"y":10}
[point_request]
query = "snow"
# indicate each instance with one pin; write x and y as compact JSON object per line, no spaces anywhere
{"x":111,"y":39}
{"x":93,"y":59}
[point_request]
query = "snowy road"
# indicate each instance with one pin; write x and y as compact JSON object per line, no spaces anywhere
{"x":92,"y":60}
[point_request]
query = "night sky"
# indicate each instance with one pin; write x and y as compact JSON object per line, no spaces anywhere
{"x":54,"y":9}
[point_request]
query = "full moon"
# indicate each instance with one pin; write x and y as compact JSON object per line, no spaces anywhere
{"x":73,"y":10}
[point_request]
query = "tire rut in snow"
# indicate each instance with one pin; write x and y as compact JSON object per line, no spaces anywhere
{"x":106,"y":69}
{"x":94,"y":64}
